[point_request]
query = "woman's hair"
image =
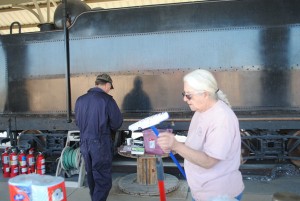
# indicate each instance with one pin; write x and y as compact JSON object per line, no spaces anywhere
{"x":203,"y":80}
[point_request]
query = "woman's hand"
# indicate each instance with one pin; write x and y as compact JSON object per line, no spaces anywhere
{"x":166,"y":141}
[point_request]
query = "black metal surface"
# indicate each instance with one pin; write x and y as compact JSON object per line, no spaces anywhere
{"x":67,"y":49}
{"x":12,"y":25}
{"x":47,"y":143}
{"x":188,"y":16}
{"x":268,"y":145}
{"x":73,"y":9}
{"x":250,"y":46}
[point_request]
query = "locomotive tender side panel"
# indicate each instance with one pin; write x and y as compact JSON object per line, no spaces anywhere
{"x":252,"y":47}
{"x":35,"y":70}
{"x":249,"y":53}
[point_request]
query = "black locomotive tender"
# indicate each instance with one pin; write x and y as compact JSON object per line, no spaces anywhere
{"x":251,"y":46}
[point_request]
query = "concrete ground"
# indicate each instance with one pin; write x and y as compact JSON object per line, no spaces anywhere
{"x":257,"y":189}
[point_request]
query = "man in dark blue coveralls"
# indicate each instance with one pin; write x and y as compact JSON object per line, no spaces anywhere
{"x":97,"y":116}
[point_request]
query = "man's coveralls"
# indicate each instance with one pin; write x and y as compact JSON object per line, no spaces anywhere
{"x":97,"y":115}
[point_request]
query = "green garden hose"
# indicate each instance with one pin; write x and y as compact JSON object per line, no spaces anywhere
{"x":70,"y":158}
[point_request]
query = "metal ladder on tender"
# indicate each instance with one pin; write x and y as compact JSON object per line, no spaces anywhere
{"x":73,"y":138}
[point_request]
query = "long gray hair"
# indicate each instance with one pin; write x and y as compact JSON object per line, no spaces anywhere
{"x":203,"y":80}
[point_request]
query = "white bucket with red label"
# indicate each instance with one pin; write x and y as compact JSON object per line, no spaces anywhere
{"x":34,"y":187}
{"x":20,"y":188}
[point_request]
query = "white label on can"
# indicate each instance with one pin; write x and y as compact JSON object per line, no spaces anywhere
{"x":43,"y":161}
{"x":5,"y":159}
{"x":22,"y":163}
{"x":7,"y":169}
{"x":15,"y":170}
{"x":23,"y":170}
{"x":13,"y":162}
{"x":14,"y":158}
{"x":31,"y":161}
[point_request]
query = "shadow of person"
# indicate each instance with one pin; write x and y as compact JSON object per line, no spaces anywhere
{"x":137,"y":100}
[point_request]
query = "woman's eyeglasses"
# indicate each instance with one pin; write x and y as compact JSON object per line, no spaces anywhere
{"x":189,"y":96}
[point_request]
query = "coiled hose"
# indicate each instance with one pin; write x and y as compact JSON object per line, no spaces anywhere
{"x":70,"y":158}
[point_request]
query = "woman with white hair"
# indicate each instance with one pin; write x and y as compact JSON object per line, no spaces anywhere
{"x":213,"y":146}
